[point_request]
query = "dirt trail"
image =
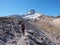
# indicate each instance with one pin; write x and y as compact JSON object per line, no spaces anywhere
{"x":22,"y":40}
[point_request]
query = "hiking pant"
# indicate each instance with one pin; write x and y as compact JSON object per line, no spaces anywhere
{"x":23,"y":31}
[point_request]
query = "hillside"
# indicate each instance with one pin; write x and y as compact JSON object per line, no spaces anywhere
{"x":51,"y":28}
{"x":56,"y":23}
{"x":10,"y":33}
{"x":49,"y":25}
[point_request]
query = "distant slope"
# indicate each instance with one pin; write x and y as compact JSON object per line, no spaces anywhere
{"x":56,"y":23}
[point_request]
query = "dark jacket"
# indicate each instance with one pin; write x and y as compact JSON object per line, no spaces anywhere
{"x":23,"y":25}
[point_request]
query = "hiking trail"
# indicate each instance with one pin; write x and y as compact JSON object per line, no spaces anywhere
{"x":22,"y":40}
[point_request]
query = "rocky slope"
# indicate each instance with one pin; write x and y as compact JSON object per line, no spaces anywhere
{"x":9,"y":30}
{"x":10,"y":34}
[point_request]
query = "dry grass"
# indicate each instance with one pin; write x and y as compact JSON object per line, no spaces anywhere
{"x":46,"y":27}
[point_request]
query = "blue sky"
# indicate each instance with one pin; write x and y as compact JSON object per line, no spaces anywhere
{"x":47,"y":7}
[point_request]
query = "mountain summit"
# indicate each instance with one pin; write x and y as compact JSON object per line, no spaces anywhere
{"x":30,"y":12}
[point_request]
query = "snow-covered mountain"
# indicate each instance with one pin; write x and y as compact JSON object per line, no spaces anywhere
{"x":32,"y":15}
